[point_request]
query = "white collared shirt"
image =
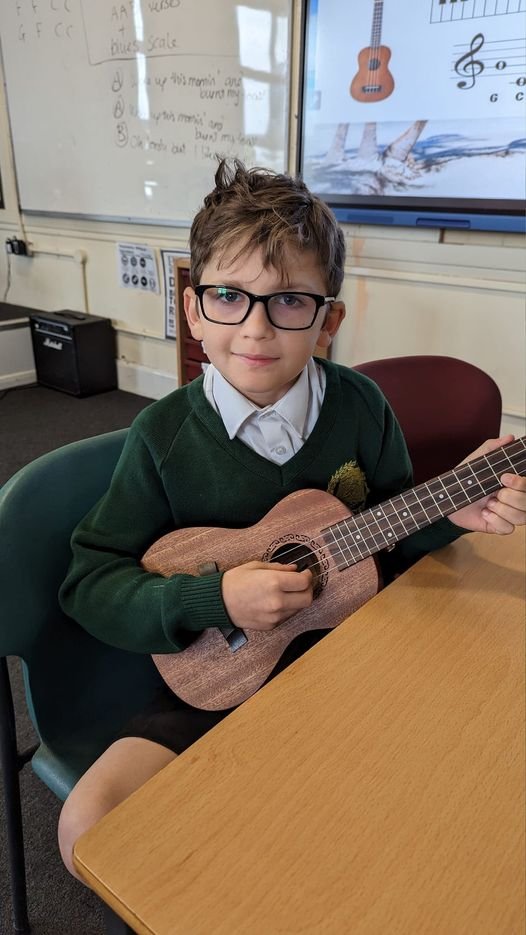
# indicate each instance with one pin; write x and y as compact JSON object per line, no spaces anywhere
{"x":276,"y":432}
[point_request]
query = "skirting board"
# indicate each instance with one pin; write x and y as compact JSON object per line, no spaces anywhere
{"x":136,"y":378}
{"x":132,"y":378}
{"x":17,"y":362}
{"x":8,"y":380}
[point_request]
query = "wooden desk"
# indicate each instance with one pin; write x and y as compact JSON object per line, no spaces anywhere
{"x":376,"y":786}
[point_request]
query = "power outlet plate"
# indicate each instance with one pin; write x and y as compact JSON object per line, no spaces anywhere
{"x":17,"y":247}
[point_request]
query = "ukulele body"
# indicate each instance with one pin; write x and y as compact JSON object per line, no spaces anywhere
{"x":373,"y":80}
{"x":209,"y":674}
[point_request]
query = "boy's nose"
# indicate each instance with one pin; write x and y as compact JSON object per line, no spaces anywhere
{"x":257,"y":323}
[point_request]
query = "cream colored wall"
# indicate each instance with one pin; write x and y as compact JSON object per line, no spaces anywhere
{"x":407,"y":291}
{"x":459,"y":294}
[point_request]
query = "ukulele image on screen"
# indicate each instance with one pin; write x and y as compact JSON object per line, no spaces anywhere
{"x":373,"y":81}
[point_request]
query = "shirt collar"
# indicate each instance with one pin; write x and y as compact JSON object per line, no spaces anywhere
{"x":235,"y":409}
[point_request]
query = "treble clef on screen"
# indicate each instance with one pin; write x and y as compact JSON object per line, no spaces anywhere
{"x":469,"y":65}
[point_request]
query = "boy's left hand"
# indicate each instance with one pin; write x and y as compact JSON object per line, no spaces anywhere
{"x":503,"y":510}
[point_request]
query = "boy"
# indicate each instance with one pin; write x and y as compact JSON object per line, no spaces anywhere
{"x":267,"y":263}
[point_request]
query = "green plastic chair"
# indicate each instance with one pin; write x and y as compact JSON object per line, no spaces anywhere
{"x":79,"y":691}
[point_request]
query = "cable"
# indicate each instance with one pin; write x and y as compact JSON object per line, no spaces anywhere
{"x":23,"y":386}
{"x":8,"y":286}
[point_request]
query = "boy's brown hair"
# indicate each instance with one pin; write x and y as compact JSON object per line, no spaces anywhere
{"x":251,"y":208}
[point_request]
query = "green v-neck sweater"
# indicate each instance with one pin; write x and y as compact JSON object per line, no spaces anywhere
{"x":179,"y":469}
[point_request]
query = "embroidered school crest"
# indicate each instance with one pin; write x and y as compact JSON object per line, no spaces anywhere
{"x":348,"y":483}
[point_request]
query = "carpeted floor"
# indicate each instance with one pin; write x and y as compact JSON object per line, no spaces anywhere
{"x":34,"y":420}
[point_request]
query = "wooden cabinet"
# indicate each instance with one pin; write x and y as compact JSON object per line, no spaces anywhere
{"x":190,"y":354}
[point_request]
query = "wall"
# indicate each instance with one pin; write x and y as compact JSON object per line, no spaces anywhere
{"x":407,"y":291}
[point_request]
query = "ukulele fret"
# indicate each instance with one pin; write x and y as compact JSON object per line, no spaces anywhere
{"x":407,"y":519}
{"x":428,"y":506}
{"x":422,"y":505}
{"x":343,"y":552}
{"x":469,"y":486}
{"x":456,"y":490}
{"x":353,"y":539}
{"x":375,"y":529}
{"x":508,"y":464}
{"x":387,"y":517}
{"x":440,"y":494}
{"x":339,"y":547}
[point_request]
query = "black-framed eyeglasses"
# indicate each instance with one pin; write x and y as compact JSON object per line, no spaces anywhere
{"x":290,"y":311}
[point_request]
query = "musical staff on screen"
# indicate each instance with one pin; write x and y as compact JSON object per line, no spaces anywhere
{"x":443,"y":11}
{"x":505,"y":58}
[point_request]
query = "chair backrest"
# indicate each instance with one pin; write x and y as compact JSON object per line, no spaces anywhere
{"x":445,"y":406}
{"x":80,"y":691}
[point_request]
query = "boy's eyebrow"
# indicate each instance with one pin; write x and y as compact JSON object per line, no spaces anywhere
{"x":236,"y":284}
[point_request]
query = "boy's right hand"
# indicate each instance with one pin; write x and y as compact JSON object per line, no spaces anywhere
{"x":261,"y":595}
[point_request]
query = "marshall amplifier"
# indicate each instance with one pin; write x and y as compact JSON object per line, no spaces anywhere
{"x":74,"y":352}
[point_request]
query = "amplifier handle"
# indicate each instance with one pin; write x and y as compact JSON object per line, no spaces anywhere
{"x":77,"y":315}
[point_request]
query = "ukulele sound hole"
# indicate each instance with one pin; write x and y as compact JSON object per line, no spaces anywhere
{"x":302,"y":556}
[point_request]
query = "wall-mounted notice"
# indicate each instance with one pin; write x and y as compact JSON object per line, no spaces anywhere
{"x":127,"y":104}
{"x":137,"y":268}
{"x":171,"y":298}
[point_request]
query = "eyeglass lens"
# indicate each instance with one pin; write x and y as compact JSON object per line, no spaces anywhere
{"x":285,"y":309}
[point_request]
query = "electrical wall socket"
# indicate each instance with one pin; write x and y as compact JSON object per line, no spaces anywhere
{"x":17,"y":246}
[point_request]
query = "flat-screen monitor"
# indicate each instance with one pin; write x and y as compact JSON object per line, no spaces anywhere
{"x":415,"y":113}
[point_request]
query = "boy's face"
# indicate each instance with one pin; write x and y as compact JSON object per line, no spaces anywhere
{"x":262,"y":362}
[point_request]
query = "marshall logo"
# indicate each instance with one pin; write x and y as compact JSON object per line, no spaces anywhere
{"x":56,"y":345}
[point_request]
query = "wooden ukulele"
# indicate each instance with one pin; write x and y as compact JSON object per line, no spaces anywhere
{"x":373,"y":81}
{"x":223,"y":667}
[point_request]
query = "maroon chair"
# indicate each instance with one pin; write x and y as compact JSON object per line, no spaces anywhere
{"x":446,"y":407}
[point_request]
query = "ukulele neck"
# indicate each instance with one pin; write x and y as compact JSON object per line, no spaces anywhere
{"x":361,"y":536}
{"x":376,"y":29}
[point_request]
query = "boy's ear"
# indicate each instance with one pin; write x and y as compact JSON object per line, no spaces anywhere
{"x":192,"y":313}
{"x":333,"y":320}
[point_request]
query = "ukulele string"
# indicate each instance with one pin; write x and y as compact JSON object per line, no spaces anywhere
{"x":518,"y":465}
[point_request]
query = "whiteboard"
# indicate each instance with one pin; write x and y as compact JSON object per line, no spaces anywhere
{"x":117,"y":110}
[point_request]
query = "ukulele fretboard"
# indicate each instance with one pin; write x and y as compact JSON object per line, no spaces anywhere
{"x":360,"y":536}
{"x":376,"y":28}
